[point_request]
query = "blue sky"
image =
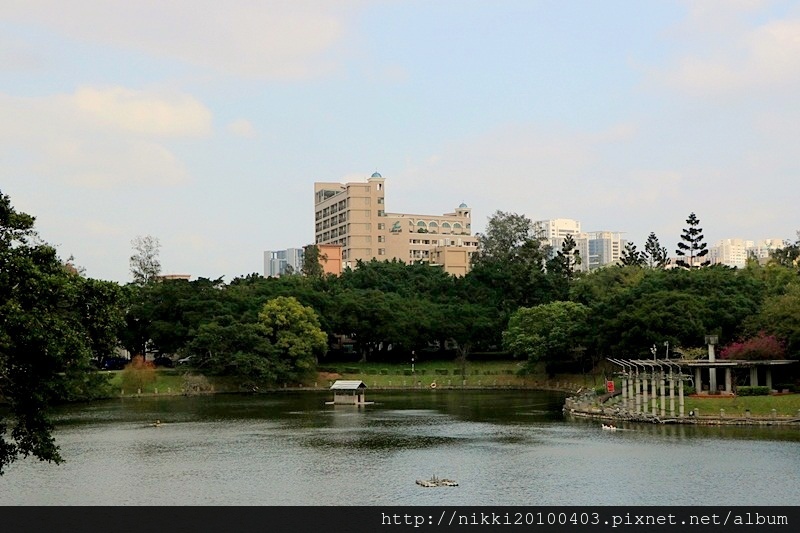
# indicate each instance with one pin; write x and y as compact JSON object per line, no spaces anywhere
{"x":205,"y":124}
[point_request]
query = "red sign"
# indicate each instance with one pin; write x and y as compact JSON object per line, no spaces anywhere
{"x":609,"y":386}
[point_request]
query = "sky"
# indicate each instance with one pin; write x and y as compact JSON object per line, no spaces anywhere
{"x":205,"y":124}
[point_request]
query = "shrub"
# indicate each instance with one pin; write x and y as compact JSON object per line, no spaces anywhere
{"x":384,"y":371}
{"x":195,"y":384}
{"x":138,"y":374}
{"x":351,"y":370}
{"x":442,"y":372}
{"x":759,"y":348}
{"x":372,"y":371}
{"x":407,"y":372}
{"x":752,"y":391}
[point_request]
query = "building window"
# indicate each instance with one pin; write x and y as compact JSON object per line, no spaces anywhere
{"x":381,"y":251}
{"x":446,"y":225}
{"x":381,"y":226}
{"x":381,"y":238}
{"x":380,"y":200}
{"x":381,"y":213}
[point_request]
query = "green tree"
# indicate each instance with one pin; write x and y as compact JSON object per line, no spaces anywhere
{"x":631,"y":257}
{"x":692,"y":245}
{"x":553,"y":333}
{"x":655,"y":254}
{"x":293,"y":331}
{"x":508,"y":268}
{"x":144,"y":263}
{"x":779,"y":315}
{"x":789,"y":255}
{"x":45,"y":348}
{"x":312,"y":265}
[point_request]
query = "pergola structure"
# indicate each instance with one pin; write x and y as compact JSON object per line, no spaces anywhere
{"x":650,"y":386}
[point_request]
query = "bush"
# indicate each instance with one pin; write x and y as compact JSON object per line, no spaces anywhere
{"x":759,"y":348}
{"x":195,"y":384}
{"x":372,"y":371}
{"x":138,"y":374}
{"x":786,"y":386}
{"x":351,"y":370}
{"x":752,"y":391}
{"x":384,"y":371}
{"x":407,"y":372}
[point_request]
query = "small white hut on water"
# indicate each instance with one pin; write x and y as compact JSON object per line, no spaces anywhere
{"x":348,"y":392}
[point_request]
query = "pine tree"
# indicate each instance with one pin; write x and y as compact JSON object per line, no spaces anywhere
{"x":692,"y":245}
{"x":569,"y":256}
{"x":631,"y":257}
{"x":655,"y":254}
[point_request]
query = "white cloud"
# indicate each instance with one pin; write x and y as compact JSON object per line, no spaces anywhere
{"x":242,"y":128}
{"x":516,"y":167}
{"x":16,"y":55}
{"x":732,"y":57}
{"x":100,"y":137}
{"x":171,"y":114}
{"x":267,"y":39}
{"x":111,"y":163}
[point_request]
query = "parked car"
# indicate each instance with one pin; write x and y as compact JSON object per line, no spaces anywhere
{"x":185,"y":361}
{"x":114,"y":363}
{"x":163,"y":361}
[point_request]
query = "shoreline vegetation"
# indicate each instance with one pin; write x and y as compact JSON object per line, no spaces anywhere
{"x":452,"y":375}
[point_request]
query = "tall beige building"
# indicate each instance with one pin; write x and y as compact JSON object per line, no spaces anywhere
{"x":354,"y":216}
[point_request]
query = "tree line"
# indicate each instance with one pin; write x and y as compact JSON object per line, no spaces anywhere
{"x":520,"y":299}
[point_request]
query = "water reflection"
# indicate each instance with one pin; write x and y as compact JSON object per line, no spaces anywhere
{"x":504,"y":448}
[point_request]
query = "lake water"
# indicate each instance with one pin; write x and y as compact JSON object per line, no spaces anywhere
{"x":504,"y":448}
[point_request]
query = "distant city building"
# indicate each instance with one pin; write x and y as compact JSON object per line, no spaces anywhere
{"x":735,"y":252}
{"x":554,"y":231}
{"x":164,"y":277}
{"x":278,"y":262}
{"x":599,"y":248}
{"x":353,"y":215}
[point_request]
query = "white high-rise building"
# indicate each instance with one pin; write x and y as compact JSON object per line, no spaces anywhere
{"x":277,"y":262}
{"x":735,"y":252}
{"x":599,"y":248}
{"x":554,"y":231}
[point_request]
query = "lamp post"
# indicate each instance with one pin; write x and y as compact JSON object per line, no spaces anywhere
{"x":413,"y":355}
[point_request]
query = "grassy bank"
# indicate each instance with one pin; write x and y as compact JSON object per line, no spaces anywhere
{"x":446,"y":374}
{"x":489,"y":374}
{"x":784,"y":405}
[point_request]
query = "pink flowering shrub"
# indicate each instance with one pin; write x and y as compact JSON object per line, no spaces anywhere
{"x":758,"y":348}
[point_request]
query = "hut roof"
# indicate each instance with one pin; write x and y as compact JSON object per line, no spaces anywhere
{"x":348,"y":384}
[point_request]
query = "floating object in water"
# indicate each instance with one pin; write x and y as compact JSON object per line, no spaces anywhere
{"x":156,"y":424}
{"x":609,"y":427}
{"x":437,"y":482}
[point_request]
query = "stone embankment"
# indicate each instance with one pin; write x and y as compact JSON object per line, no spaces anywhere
{"x":587,"y":404}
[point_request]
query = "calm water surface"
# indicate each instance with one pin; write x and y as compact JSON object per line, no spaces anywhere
{"x":504,"y":448}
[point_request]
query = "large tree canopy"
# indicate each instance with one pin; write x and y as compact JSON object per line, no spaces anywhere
{"x":52,"y":322}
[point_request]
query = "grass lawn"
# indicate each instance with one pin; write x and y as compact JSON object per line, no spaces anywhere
{"x":784,"y":405}
{"x":449,"y":374}
{"x":487,"y":374}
